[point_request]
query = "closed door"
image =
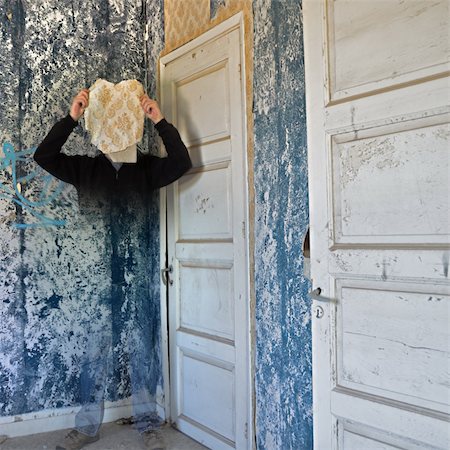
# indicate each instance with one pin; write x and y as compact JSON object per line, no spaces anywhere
{"x":202,"y":94}
{"x":377,"y":84}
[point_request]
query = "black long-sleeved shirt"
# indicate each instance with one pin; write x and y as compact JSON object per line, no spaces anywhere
{"x":96,"y":175}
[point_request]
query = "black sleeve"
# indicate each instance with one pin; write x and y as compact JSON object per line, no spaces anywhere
{"x":163,"y":171}
{"x":48,"y":155}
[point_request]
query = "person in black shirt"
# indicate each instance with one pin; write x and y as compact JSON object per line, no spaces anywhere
{"x":98,"y":174}
{"x":113,"y":189}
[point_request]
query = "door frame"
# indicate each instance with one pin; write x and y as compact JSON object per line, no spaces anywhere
{"x":225,"y":27}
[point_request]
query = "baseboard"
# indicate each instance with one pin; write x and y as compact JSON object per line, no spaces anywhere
{"x":60,"y":419}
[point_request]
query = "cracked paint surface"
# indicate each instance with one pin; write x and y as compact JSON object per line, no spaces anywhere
{"x":283,"y":320}
{"x":60,"y":287}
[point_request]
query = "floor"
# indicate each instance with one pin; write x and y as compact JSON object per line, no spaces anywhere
{"x":112,"y":437}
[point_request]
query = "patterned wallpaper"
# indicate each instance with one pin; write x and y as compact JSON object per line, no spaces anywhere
{"x":182,"y":18}
{"x":188,"y":19}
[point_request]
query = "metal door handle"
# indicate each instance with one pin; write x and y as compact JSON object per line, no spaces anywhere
{"x":315,"y":295}
{"x":318,"y":311}
{"x":165,"y":273}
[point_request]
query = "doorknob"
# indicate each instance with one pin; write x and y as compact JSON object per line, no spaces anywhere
{"x":318,"y":310}
{"x":166,"y":275}
{"x":315,"y":295}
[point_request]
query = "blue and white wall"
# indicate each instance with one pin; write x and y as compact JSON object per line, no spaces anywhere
{"x":62,"y":274}
{"x":283,"y":321}
{"x":48,"y":51}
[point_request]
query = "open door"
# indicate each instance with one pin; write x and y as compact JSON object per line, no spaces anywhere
{"x":377,"y":84}
{"x":202,"y":93}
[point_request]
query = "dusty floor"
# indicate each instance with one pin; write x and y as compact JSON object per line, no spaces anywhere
{"x":112,"y":437}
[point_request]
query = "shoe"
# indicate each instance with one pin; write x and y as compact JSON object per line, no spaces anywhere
{"x":153,"y":440}
{"x":76,"y":440}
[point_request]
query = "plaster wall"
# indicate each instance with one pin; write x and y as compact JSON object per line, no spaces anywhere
{"x":64,"y":278}
{"x":282,"y":312}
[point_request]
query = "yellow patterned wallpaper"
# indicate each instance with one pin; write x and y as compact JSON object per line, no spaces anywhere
{"x":182,"y":19}
{"x":114,"y":117}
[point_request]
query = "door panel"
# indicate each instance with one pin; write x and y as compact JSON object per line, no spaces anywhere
{"x":388,"y":183}
{"x":377,"y":77}
{"x":380,"y":44}
{"x":213,"y":310}
{"x":353,"y":441}
{"x":203,"y":104}
{"x":204,"y":203}
{"x":373,"y":331}
{"x":208,"y":384}
{"x":202,"y":94}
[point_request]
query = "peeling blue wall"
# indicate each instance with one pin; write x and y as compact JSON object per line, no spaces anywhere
{"x":214,"y":6}
{"x":49,"y":50}
{"x":60,"y":285}
{"x":283,"y":322}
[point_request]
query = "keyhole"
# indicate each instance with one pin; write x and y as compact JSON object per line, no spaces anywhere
{"x":319,"y":312}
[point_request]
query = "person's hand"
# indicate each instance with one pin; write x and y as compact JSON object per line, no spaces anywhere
{"x":79,"y":104}
{"x":151,"y":109}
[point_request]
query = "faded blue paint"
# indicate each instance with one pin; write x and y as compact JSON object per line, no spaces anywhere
{"x":214,"y":6}
{"x":51,"y":189}
{"x":50,"y":50}
{"x":283,"y":322}
{"x":59,"y":286}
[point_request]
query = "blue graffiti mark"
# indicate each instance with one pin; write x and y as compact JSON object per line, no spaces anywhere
{"x":8,"y":163}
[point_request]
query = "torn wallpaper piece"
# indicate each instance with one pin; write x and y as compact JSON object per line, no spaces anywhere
{"x":115,"y":118}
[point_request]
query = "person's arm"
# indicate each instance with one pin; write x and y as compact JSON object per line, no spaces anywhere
{"x":48,"y":155}
{"x":163,"y":171}
{"x":177,"y":162}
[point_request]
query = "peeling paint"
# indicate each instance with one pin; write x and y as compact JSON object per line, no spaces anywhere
{"x":214,"y":7}
{"x":203,"y":204}
{"x":283,"y":318}
{"x":61,"y":289}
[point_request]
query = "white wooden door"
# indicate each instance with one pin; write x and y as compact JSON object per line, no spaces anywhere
{"x":202,"y":93}
{"x":377,"y":86}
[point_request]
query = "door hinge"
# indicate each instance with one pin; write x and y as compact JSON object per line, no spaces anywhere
{"x":246,"y":430}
